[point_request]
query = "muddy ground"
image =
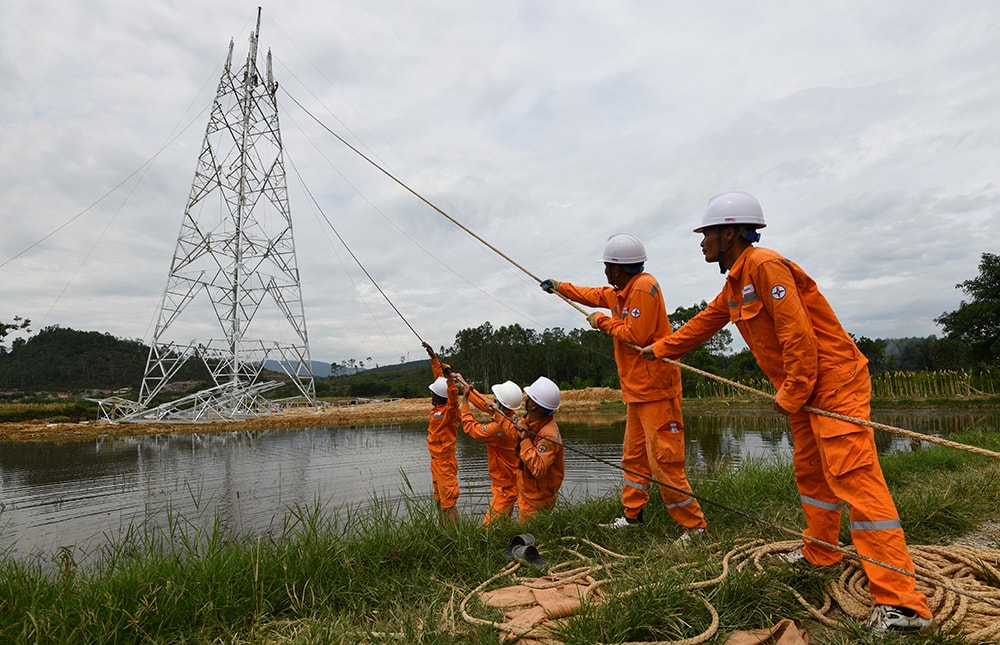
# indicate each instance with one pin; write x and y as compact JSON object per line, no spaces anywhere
{"x":590,"y":405}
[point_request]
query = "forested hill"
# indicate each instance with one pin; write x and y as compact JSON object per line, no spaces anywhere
{"x":58,"y":359}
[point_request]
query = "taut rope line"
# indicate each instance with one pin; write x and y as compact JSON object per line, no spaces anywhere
{"x":901,"y":431}
{"x":358,"y":261}
{"x":426,"y":201}
{"x":835,"y":547}
{"x":833,"y":415}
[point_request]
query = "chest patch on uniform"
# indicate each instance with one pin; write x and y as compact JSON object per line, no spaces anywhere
{"x":635,"y":313}
{"x":541,"y":448}
{"x":747,"y":289}
{"x":778,"y":292}
{"x":437,"y":415}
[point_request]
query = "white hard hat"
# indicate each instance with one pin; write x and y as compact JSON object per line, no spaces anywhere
{"x":623,"y":248}
{"x":439,"y":387}
{"x":544,"y":392}
{"x":732,"y":208}
{"x":508,"y":394}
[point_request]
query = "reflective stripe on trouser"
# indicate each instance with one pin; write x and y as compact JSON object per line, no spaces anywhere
{"x":837,"y":461}
{"x":501,"y":504}
{"x":654,"y":446}
{"x":444,"y":477}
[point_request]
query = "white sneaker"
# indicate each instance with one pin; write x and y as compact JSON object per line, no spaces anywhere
{"x":794,"y":556}
{"x":887,"y":618}
{"x":690,"y":537}
{"x":622,"y":523}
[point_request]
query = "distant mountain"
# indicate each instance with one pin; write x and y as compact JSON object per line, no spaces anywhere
{"x":319,"y":368}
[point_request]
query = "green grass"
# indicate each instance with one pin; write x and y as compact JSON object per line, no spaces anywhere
{"x":395,"y":574}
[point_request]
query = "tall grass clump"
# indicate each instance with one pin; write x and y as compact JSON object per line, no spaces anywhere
{"x":395,"y":573}
{"x":936,"y":385}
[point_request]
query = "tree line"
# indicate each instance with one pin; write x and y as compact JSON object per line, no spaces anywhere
{"x":58,"y":359}
{"x":585,"y":357}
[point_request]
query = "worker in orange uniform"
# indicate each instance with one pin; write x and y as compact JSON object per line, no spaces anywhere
{"x":802,"y":348}
{"x":501,"y":441}
{"x":540,"y":449}
{"x":653,"y":445}
{"x":442,"y":435}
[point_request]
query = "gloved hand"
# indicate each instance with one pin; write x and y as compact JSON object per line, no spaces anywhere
{"x":593,"y":318}
{"x":549,"y":285}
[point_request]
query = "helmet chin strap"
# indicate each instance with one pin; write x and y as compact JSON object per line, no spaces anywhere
{"x":723,"y":251}
{"x":750,"y":236}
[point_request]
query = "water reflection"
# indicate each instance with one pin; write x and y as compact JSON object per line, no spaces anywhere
{"x":80,"y":493}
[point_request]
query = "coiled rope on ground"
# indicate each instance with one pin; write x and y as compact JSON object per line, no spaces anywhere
{"x":972,"y":569}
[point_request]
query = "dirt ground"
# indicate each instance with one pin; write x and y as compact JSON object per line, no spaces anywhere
{"x":577,"y":405}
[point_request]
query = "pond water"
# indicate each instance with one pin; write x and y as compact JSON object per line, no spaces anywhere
{"x":80,"y":495}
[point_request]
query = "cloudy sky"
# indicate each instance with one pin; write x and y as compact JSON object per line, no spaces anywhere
{"x":869,"y":131}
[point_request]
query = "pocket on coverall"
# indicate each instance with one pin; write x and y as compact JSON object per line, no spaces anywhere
{"x":846,"y":446}
{"x":670,"y":442}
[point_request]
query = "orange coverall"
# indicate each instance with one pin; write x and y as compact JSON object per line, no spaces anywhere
{"x":442,"y":435}
{"x":501,"y":455}
{"x":802,"y":348}
{"x":653,"y":444}
{"x":542,"y":467}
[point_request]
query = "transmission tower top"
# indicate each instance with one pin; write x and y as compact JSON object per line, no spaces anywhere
{"x":234,"y":268}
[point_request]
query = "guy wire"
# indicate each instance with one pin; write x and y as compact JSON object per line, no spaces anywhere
{"x":425,"y":200}
{"x":342,"y":241}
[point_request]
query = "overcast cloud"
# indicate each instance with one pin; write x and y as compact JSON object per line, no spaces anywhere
{"x":869,"y":131}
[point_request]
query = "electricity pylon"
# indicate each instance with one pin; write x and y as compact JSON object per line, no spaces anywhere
{"x":235,"y":258}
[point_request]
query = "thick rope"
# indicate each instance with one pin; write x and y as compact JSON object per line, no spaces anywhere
{"x":976,"y":571}
{"x":833,"y":415}
{"x":973,"y":611}
{"x":973,"y":571}
{"x":582,"y":568}
{"x":850,"y":553}
{"x":908,"y":433}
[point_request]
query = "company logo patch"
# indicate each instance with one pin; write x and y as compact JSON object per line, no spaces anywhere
{"x":635,"y":313}
{"x":748,"y":289}
{"x":541,"y":448}
{"x":778,"y":292}
{"x":437,"y":415}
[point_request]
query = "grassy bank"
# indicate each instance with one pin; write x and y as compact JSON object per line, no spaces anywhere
{"x":395,"y":575}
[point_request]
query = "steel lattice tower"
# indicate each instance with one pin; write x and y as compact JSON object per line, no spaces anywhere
{"x":235,"y":249}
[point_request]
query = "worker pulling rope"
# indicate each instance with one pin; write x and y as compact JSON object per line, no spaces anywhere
{"x":864,"y":422}
{"x":809,"y":409}
{"x":405,"y":186}
{"x":510,"y":260}
{"x":848,"y":552}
